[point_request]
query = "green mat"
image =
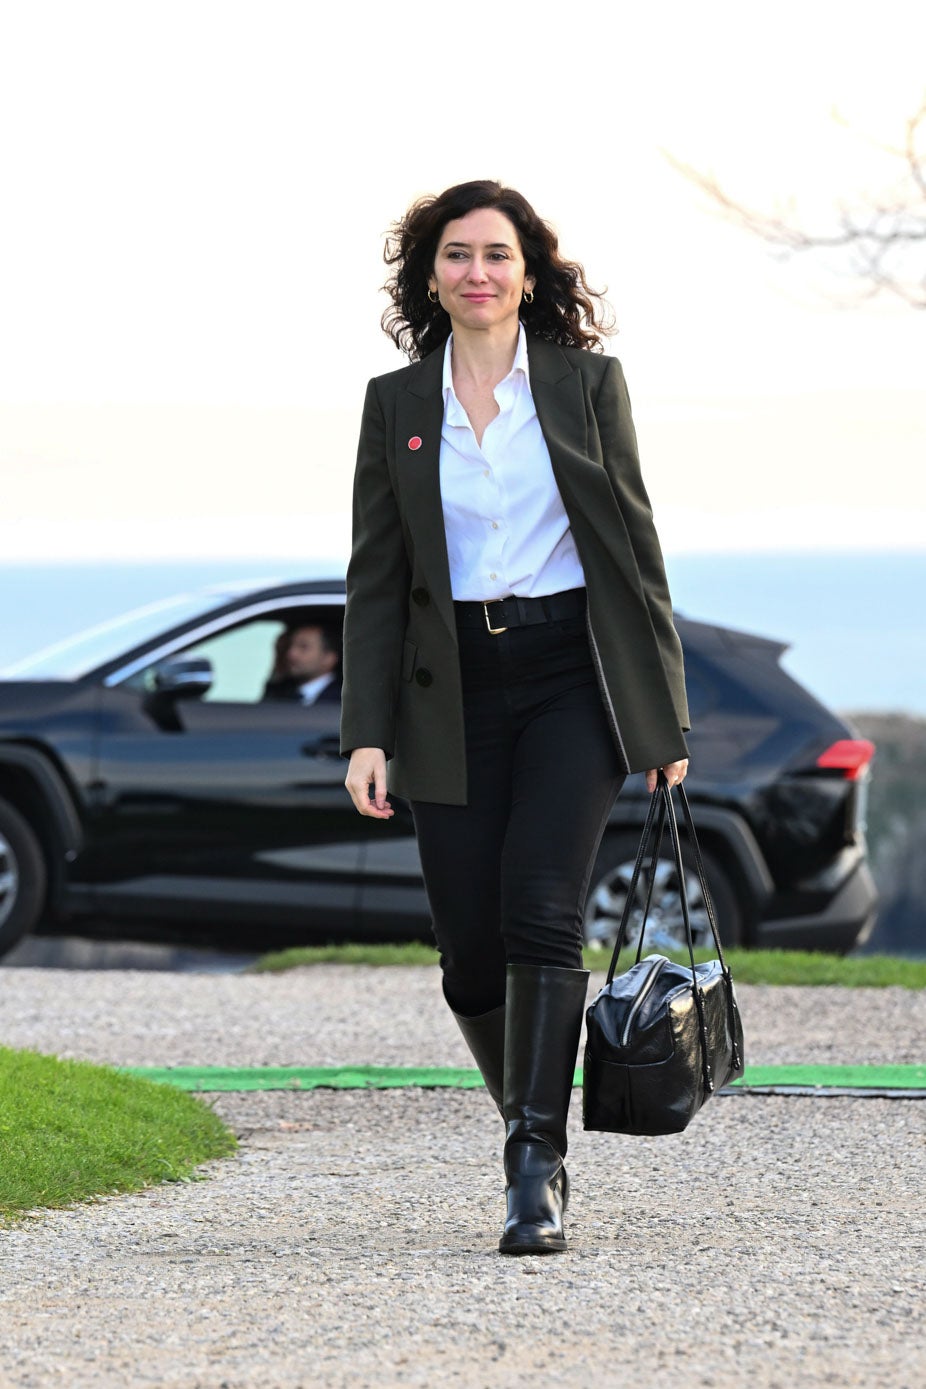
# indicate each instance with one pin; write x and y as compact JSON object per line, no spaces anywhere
{"x":215,"y":1078}
{"x":846,"y":1077}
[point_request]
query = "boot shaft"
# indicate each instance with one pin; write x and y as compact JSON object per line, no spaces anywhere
{"x":545,"y":1006}
{"x":485,"y":1037}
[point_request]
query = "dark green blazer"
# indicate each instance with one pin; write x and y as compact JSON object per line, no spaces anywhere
{"x":402,"y":687}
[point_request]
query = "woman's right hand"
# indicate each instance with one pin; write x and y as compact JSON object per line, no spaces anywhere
{"x":368,"y":765}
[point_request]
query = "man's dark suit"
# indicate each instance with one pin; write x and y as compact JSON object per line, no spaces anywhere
{"x":290,"y":688}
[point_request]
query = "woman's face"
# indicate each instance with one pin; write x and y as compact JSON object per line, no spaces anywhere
{"x":479,"y":271}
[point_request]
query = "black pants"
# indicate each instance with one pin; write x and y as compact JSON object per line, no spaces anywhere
{"x":507,"y":874}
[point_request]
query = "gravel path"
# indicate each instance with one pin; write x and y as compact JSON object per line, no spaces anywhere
{"x":341,"y":1014}
{"x":779,"y":1242}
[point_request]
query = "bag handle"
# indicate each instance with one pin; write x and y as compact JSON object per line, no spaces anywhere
{"x":661,"y":799}
{"x":711,"y":916}
{"x":696,"y":990}
{"x":702,"y":875}
{"x":655,"y":802}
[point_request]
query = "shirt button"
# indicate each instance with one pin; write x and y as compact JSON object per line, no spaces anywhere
{"x":485,"y":472}
{"x":495,"y":525}
{"x":493,"y":575}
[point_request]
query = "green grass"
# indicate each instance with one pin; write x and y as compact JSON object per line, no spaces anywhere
{"x":748,"y":966}
{"x":814,"y":967}
{"x":409,"y":953}
{"x":70,"y":1130}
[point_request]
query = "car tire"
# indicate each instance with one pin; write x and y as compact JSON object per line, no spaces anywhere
{"x":610,"y":883}
{"x":23,"y":877}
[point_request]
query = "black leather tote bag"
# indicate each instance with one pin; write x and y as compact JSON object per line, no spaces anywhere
{"x":661,"y":1037}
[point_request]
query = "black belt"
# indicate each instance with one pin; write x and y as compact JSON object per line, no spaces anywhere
{"x":498,"y":614}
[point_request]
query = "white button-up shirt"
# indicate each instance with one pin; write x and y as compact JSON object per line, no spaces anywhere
{"x":507,"y":530}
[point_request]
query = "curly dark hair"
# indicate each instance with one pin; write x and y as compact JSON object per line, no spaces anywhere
{"x":564,"y":310}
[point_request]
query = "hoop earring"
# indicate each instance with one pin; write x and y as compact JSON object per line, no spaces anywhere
{"x":528,"y":296}
{"x":434,"y":298}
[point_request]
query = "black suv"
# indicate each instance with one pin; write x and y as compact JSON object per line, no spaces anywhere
{"x":149,"y":788}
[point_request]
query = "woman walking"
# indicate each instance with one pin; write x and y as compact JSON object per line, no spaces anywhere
{"x":509,"y":653}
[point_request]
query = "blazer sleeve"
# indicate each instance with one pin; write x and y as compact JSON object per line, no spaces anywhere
{"x":622,"y":464}
{"x":376,"y":608}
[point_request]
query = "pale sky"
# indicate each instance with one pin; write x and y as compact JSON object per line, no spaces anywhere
{"x":195,"y":196}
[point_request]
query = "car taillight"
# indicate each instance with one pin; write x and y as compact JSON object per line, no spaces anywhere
{"x":850,"y":756}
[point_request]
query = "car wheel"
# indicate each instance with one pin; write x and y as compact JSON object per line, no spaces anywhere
{"x":23,"y":877}
{"x":666,"y":926}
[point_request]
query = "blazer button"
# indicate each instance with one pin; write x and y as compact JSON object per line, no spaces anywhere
{"x":423,"y":676}
{"x":421,"y":596}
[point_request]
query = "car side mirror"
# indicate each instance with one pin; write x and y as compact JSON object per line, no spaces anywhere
{"x":186,"y":678}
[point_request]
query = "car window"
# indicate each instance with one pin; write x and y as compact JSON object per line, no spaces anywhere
{"x":243,"y":657}
{"x":241,"y":660}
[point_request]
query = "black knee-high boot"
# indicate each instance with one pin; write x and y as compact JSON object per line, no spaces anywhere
{"x":485,"y":1037}
{"x":544,"y":1010}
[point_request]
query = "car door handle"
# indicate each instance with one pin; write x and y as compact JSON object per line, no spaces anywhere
{"x":329,"y":746}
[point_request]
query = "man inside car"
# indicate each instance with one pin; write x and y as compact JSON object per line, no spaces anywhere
{"x":306,"y":666}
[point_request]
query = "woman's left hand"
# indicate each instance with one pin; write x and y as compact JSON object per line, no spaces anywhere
{"x":675,"y":774}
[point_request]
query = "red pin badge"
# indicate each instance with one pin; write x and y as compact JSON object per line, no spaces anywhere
{"x":414,"y":442}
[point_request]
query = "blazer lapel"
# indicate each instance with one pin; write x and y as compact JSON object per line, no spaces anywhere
{"x":419,"y":418}
{"x":558,"y":398}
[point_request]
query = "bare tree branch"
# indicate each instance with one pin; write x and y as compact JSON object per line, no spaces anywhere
{"x":879,"y":242}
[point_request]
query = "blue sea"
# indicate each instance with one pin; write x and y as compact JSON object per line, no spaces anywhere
{"x":853,"y":622}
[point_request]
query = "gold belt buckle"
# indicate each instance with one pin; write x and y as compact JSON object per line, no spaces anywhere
{"x":494,"y":631}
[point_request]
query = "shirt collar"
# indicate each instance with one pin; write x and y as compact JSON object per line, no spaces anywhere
{"x":519,"y":364}
{"x":311,"y":689}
